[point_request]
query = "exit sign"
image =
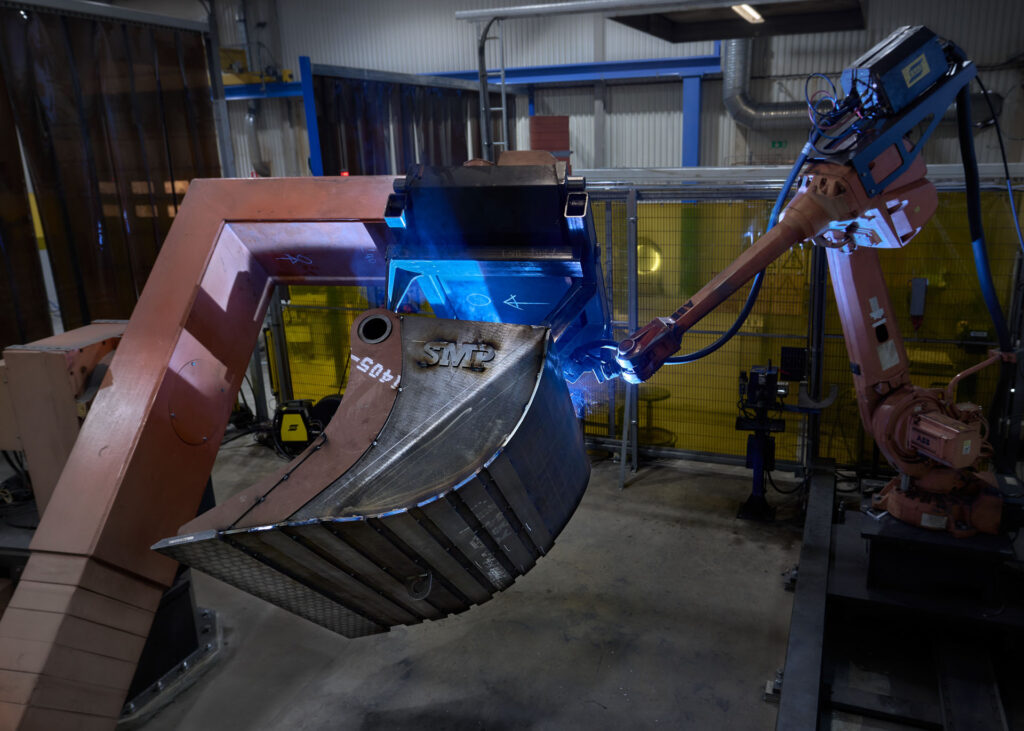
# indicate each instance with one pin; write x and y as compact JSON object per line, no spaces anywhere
{"x":779,"y":144}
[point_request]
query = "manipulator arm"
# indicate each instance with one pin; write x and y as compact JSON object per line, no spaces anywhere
{"x":831,"y":207}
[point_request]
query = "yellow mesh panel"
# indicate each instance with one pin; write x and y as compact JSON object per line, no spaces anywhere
{"x":682,"y":245}
{"x":317,"y":322}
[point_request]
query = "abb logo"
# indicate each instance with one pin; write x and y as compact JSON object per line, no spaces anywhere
{"x":456,"y":355}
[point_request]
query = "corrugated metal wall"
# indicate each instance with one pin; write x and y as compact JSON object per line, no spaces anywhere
{"x":644,"y":121}
{"x":578,"y":104}
{"x":424,"y":37}
{"x":644,"y":125}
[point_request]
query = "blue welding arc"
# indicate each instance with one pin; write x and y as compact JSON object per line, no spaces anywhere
{"x":516,"y":304}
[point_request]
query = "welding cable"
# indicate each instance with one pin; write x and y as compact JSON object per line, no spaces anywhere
{"x":755,"y":286}
{"x":1006,"y":166}
{"x":970,"y":163}
{"x":771,"y":481}
{"x":1005,"y":461}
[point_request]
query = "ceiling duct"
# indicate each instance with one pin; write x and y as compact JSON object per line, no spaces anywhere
{"x":787,"y":115}
{"x":736,"y":93}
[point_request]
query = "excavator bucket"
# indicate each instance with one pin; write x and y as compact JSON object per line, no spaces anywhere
{"x":452,"y":464}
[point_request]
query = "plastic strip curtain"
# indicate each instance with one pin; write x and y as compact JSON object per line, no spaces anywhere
{"x":380,"y":128}
{"x":24,"y":314}
{"x":115,"y":119}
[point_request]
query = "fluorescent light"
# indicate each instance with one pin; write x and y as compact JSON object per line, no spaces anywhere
{"x":748,"y":13}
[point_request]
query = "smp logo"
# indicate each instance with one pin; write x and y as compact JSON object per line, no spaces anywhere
{"x":465,"y":355}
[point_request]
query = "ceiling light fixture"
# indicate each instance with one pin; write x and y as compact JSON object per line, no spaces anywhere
{"x":748,"y":13}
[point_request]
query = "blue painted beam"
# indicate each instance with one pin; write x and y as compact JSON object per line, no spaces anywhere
{"x":604,"y":71}
{"x":691,"y":121}
{"x":316,"y":162}
{"x":272,"y":90}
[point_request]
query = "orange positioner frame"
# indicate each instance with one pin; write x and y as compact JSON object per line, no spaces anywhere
{"x":76,"y":624}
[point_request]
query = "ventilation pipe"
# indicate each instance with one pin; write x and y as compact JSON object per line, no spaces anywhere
{"x":787,"y":115}
{"x":736,"y":93}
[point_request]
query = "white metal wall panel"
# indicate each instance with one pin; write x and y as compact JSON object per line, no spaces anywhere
{"x":542,"y":41}
{"x":423,"y":36}
{"x":721,"y":140}
{"x":989,"y":31}
{"x":578,"y":103}
{"x":645,"y":125}
{"x":623,"y":43}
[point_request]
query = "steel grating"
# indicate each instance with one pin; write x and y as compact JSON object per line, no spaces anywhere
{"x":478,"y":467}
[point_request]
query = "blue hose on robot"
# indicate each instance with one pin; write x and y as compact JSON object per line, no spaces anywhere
{"x":970,"y":163}
{"x":755,"y":286}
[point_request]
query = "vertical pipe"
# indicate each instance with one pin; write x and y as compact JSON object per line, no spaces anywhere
{"x":486,"y":143}
{"x":632,"y":274}
{"x":816,"y":342}
{"x":220,"y":105}
{"x":316,"y":161}
{"x":504,"y":97}
{"x":243,"y":28}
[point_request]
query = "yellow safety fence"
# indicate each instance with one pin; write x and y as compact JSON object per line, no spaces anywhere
{"x":680,"y":246}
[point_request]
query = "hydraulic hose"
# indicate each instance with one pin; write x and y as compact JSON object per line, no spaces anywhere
{"x":755,"y":286}
{"x":970,"y":163}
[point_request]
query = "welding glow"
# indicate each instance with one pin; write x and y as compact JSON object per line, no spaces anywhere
{"x":748,"y":13}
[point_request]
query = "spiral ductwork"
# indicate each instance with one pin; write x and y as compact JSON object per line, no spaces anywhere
{"x":736,"y":93}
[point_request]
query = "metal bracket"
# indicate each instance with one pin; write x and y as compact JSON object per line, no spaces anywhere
{"x":804,"y":400}
{"x":143,"y":706}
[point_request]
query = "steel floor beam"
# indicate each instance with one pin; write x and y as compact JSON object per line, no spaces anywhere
{"x":801,"y":686}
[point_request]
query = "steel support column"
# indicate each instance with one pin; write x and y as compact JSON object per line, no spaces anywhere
{"x":691,"y":121}
{"x":583,"y":73}
{"x":630,"y":412}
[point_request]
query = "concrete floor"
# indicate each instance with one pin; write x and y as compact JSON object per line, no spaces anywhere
{"x":656,"y":608}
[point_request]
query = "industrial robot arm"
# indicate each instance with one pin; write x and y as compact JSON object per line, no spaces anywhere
{"x":831,"y":204}
{"x":867,"y":190}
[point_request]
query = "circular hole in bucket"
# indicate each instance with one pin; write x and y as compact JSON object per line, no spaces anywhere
{"x":374,"y":329}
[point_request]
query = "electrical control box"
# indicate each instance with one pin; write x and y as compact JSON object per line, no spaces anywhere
{"x":895,"y":72}
{"x":760,"y":387}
